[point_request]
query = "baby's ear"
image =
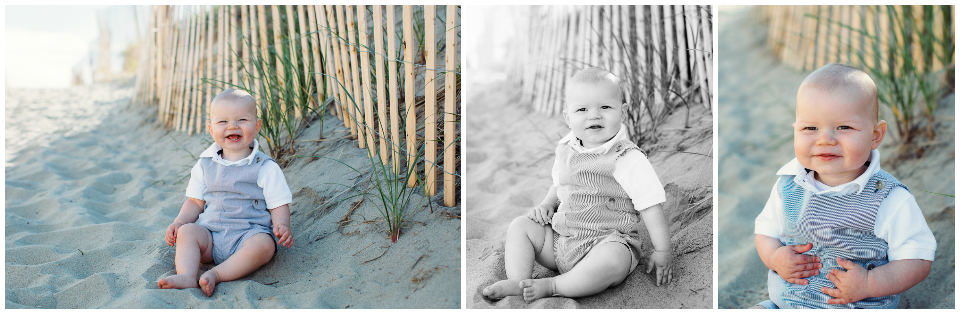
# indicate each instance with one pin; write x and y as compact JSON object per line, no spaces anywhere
{"x":879,"y":131}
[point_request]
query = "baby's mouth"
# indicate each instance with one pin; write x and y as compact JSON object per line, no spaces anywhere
{"x":826,"y":156}
{"x":233,"y":138}
{"x":594,"y":127}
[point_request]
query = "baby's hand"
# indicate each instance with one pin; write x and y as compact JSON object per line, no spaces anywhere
{"x":851,"y":284}
{"x":171,"y":237}
{"x":792,"y":266}
{"x":663,"y":261}
{"x":283,"y":232}
{"x":542,"y":214}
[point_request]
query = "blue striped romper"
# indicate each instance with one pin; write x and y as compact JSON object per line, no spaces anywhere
{"x":838,"y":226}
{"x":594,"y":208}
{"x":235,"y":207}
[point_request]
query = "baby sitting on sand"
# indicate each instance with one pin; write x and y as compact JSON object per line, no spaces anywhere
{"x":601,"y":181}
{"x":236,"y":193}
{"x":838,"y":231}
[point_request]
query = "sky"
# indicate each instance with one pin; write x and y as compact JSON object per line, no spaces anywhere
{"x":43,"y":43}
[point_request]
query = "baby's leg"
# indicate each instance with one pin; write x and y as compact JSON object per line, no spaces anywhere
{"x":194,"y":245}
{"x":605,"y":265}
{"x":256,"y":251}
{"x":526,"y":242}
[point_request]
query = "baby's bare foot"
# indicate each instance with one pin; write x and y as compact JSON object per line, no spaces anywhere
{"x":534,"y":289}
{"x":502,"y":289}
{"x":181,"y":281}
{"x":208,"y":281}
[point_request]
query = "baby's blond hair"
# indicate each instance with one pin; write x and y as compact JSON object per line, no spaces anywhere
{"x":836,"y":77}
{"x":235,"y":96}
{"x":594,"y":75}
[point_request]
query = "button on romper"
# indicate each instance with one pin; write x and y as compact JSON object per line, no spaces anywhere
{"x":235,"y":208}
{"x":594,"y":209}
{"x":838,"y":226}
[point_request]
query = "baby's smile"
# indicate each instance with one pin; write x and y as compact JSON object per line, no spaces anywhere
{"x":235,"y":138}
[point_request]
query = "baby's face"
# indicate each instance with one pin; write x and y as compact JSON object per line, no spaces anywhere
{"x":593,"y":112}
{"x":233,"y":126}
{"x":834,"y":134}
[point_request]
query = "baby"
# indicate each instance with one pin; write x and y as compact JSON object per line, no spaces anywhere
{"x":837,"y":231}
{"x":226,"y":218}
{"x":587,"y":226}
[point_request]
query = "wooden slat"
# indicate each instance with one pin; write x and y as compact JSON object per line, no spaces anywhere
{"x":162,"y":35}
{"x":318,"y":64}
{"x":430,"y":138}
{"x":357,"y":106}
{"x":222,"y":55}
{"x":381,"y":82}
{"x":244,"y":46}
{"x":307,"y":54}
{"x":257,"y":61}
{"x":450,"y":109}
{"x":409,"y":98}
{"x":294,"y":60}
{"x":234,"y":47}
{"x":363,"y":50}
{"x":199,"y":85}
{"x":707,"y":25}
{"x":394,"y":89}
{"x":169,"y":81}
{"x":184,"y":100}
{"x":346,"y":90}
{"x":681,"y":45}
{"x":278,"y":57}
{"x":338,"y":87}
{"x":628,"y":41}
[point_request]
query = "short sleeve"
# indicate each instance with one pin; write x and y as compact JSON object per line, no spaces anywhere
{"x":196,"y":187}
{"x":636,"y":176}
{"x":901,"y":223}
{"x":769,"y":222}
{"x":275,"y":190}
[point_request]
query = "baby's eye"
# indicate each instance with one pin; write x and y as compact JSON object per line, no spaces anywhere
{"x":810,"y":128}
{"x":243,"y":120}
{"x":844,"y":127}
{"x":581,"y":109}
{"x":222,"y":121}
{"x":606,"y":107}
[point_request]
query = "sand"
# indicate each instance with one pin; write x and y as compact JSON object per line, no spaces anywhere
{"x":757,"y":98}
{"x":510,"y":150}
{"x":85,"y":216}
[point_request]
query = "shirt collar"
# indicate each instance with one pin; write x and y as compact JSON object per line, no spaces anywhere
{"x":574,"y":142}
{"x":806,"y":178}
{"x":214,"y":148}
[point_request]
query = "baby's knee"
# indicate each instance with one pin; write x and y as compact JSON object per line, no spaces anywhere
{"x":616,"y":259}
{"x":262,"y":244}
{"x":191,"y":229}
{"x":524,"y":223}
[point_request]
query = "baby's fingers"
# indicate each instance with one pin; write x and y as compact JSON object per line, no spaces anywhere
{"x":837,"y":301}
{"x":659,"y":275}
{"x":796,"y":281}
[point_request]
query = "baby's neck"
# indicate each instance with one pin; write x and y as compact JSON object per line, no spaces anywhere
{"x":235,"y":155}
{"x":839,"y":179}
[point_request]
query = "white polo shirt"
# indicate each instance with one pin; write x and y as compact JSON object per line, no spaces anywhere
{"x":270,"y":178}
{"x":899,"y":220}
{"x":632,"y":171}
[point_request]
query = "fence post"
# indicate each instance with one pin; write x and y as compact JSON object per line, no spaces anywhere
{"x":358,"y":95}
{"x":394,"y":91}
{"x":409,"y":99}
{"x":430,"y":114}
{"x":449,"y":123}
{"x":381,"y":82}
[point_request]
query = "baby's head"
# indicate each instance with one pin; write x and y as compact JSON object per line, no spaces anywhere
{"x":233,"y":120}
{"x":837,"y":123}
{"x":594,"y":106}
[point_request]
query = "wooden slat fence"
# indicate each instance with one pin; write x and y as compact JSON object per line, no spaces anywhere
{"x":191,"y":53}
{"x":809,"y":37}
{"x":662,"y":54}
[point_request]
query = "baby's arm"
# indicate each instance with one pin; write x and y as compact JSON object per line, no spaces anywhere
{"x":857,"y":283}
{"x":189,"y":213}
{"x":662,"y":256}
{"x":786,"y":260}
{"x":281,"y":225}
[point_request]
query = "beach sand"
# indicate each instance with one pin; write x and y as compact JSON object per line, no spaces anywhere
{"x":85,"y":216}
{"x":508,"y":161}
{"x":756,"y":104}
